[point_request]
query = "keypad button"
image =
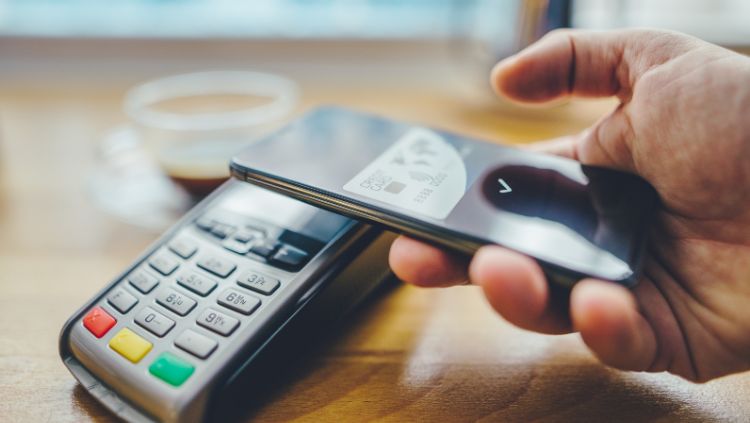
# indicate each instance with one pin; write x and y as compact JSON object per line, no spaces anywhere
{"x":173,"y":300}
{"x":199,"y":284}
{"x":217,"y":266}
{"x":247,"y":235}
{"x":264,"y":248}
{"x":289,"y":256}
{"x":121,"y":300}
{"x":171,"y":369}
{"x":222,"y":231}
{"x":218,"y":322}
{"x":236,"y":246}
{"x":205,"y":223}
{"x":154,"y":322}
{"x":163,"y":263}
{"x":183,"y":247}
{"x":238,"y":301}
{"x":259,"y":282}
{"x":256,"y":228}
{"x":196,"y":344}
{"x":130,"y":345}
{"x":98,"y":322}
{"x":142,"y":281}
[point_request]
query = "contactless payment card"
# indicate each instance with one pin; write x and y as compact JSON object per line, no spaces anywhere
{"x":421,"y":172}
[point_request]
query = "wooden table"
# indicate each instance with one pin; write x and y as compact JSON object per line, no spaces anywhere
{"x":410,"y":355}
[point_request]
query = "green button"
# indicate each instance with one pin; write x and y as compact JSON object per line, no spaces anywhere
{"x":171,"y":369}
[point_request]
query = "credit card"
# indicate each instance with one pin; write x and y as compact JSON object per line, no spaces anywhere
{"x":421,"y":172}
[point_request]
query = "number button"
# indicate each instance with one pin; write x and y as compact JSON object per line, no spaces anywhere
{"x":154,"y":322}
{"x":259,"y":282}
{"x":196,"y":344}
{"x":217,"y":266}
{"x":122,"y":300}
{"x":173,"y":300}
{"x":239,"y":302}
{"x":196,"y":283}
{"x":142,"y":281}
{"x":163,"y":264}
{"x":218,"y":322}
{"x":183,"y":247}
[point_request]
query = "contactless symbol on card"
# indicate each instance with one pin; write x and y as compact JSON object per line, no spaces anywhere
{"x":421,"y":172}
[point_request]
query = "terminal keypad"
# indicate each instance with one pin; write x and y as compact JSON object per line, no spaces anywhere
{"x":219,"y":275}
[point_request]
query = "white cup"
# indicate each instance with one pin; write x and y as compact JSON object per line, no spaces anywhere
{"x":192,"y":125}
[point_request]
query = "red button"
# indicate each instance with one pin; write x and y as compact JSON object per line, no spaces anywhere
{"x":98,"y":321}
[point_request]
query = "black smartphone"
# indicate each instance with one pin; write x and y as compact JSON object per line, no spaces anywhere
{"x":577,"y":221}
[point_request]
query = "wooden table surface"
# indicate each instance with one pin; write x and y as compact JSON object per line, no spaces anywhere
{"x":409,"y":355}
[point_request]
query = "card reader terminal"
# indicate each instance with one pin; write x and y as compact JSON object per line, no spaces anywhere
{"x":165,"y":339}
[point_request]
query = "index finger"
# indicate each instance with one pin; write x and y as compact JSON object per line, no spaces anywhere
{"x":422,"y":264}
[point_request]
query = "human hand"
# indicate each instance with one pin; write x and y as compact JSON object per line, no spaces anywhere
{"x":683,"y":125}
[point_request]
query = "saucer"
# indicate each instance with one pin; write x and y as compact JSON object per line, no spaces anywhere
{"x":129,"y":185}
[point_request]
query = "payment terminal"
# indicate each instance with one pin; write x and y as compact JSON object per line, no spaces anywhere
{"x":177,"y":334}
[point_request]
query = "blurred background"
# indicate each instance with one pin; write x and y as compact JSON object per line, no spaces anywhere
{"x":403,"y":41}
{"x":68,"y":68}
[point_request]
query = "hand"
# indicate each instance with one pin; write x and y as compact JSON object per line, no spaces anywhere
{"x":683,"y":124}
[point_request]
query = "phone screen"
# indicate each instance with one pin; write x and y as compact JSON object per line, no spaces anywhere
{"x":587,"y":220}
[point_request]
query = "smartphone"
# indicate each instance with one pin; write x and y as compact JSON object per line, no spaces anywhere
{"x":220,"y":305}
{"x":577,"y":221}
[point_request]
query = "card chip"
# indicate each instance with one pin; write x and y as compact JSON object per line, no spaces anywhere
{"x":395,"y":187}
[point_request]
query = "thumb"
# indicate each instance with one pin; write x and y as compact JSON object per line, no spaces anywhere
{"x":611,"y":325}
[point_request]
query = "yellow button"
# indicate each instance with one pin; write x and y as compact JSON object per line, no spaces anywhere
{"x":130,"y":345}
